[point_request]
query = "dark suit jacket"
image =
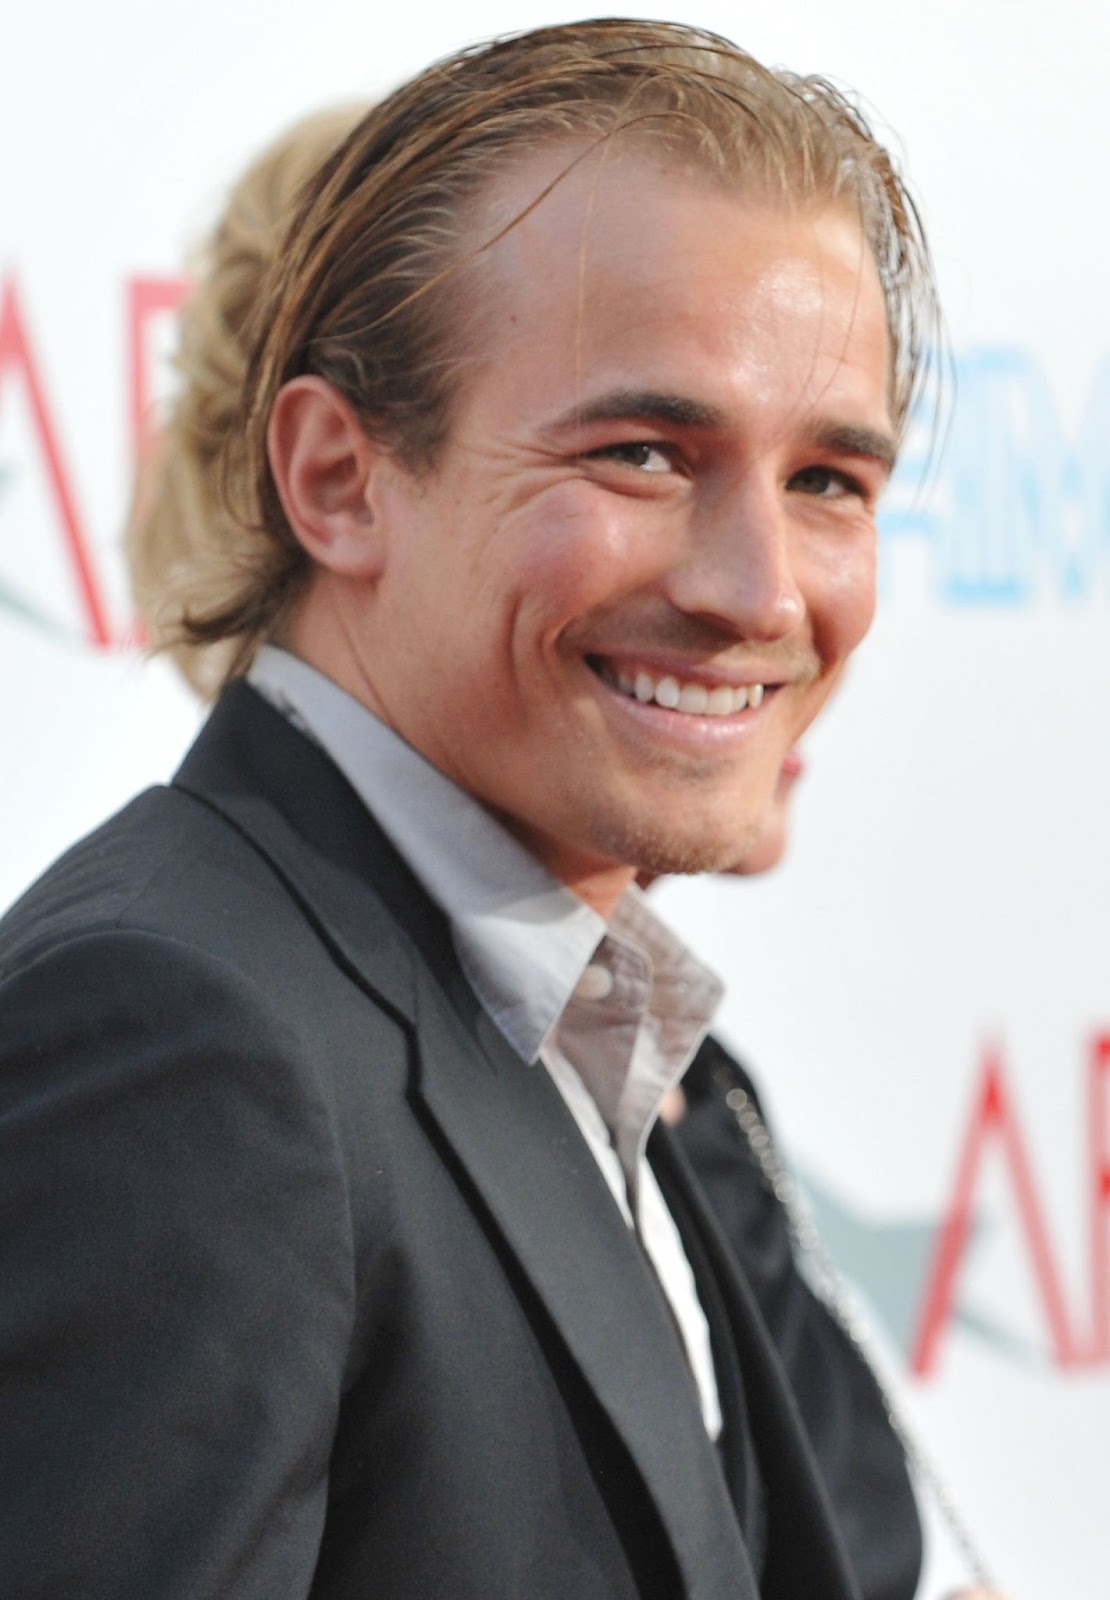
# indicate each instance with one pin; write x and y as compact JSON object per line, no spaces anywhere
{"x":841,"y":1406}
{"x":310,"y":1285}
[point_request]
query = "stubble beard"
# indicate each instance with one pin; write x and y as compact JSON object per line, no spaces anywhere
{"x":662,"y":854}
{"x":663,"y":847}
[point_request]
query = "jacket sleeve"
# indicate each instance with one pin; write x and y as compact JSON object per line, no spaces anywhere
{"x":175,"y":1257}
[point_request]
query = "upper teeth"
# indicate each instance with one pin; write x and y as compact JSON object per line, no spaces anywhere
{"x":694,"y":698}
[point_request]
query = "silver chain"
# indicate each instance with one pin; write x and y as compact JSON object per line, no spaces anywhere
{"x":838,"y":1299}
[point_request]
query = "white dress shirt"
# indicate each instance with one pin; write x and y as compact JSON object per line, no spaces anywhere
{"x":614,"y":1011}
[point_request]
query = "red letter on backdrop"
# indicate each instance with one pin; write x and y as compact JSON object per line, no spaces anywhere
{"x":1100,"y":1196}
{"x":147,"y":298}
{"x":992,"y":1115}
{"x":15,"y":352}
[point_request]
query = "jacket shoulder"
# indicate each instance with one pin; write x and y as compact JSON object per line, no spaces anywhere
{"x":164,"y":861}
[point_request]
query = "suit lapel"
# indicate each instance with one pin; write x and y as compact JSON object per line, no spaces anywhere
{"x":804,"y":1554}
{"x":291,"y":804}
{"x":503,"y":1118}
{"x":736,"y":1444}
{"x":520,"y":1146}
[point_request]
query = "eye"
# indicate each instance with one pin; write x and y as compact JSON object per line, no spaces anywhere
{"x":643,"y":454}
{"x":826,"y":483}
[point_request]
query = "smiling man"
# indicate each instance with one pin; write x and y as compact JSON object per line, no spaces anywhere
{"x":363,"y":1267}
{"x":648,"y":542}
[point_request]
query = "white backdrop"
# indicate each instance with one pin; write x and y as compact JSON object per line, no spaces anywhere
{"x":924,"y":983}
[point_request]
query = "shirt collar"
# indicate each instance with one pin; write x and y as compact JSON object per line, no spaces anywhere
{"x":523,"y":939}
{"x":632,"y":1036}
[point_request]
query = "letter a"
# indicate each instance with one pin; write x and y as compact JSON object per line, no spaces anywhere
{"x":992,"y":1115}
{"x":15,"y":352}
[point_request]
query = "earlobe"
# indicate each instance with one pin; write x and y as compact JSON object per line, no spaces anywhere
{"x":324,"y":463}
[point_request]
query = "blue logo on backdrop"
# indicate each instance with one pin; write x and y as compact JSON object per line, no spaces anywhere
{"x":1015,"y":509}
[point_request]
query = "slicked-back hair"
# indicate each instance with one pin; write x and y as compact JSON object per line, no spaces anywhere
{"x":187,"y":552}
{"x":373,"y":288}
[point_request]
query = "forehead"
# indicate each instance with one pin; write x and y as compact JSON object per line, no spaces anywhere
{"x":626,"y":256}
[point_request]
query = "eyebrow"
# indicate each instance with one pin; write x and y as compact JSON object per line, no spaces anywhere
{"x":855,"y":439}
{"x":681,"y":411}
{"x":647,"y":405}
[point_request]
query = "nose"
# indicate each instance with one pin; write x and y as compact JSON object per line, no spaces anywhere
{"x":739,"y":563}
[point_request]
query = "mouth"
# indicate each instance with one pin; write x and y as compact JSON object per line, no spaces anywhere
{"x":691,"y":698}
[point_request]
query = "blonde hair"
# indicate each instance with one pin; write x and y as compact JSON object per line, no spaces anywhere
{"x":182,"y":536}
{"x":369,"y":288}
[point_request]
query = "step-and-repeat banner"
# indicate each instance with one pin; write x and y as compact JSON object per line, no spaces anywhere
{"x":922,"y":989}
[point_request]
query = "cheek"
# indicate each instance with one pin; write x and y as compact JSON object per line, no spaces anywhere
{"x":842,"y":596}
{"x":584,"y":548}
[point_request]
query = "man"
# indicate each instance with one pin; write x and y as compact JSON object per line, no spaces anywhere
{"x":336,"y":1261}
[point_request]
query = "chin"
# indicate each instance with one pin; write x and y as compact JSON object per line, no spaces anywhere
{"x":661,"y":851}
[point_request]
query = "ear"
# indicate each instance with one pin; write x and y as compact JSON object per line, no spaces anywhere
{"x":325,"y":465}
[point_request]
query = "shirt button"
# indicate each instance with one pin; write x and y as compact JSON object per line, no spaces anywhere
{"x":596,"y":983}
